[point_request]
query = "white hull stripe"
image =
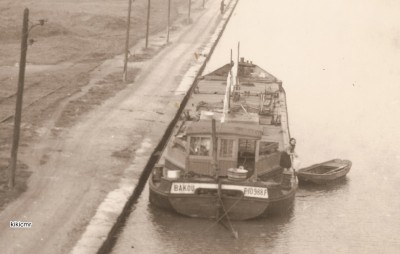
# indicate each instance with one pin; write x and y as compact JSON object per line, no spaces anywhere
{"x":248,"y":191}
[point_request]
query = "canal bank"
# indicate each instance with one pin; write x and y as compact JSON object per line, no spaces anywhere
{"x":77,"y":165}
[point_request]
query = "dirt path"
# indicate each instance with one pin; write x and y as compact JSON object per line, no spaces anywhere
{"x":78,"y":37}
{"x":75,"y":169}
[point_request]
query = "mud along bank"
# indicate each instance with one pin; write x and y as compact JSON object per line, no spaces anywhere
{"x":80,"y":165}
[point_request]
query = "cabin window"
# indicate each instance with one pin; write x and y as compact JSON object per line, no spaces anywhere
{"x":226,"y":148}
{"x":267,"y":148}
{"x":200,"y":146}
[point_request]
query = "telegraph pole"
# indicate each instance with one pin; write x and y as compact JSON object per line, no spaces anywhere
{"x":169,"y":17}
{"x":128,"y":25}
{"x":20,"y":92}
{"x":148,"y":23}
{"x":18,"y":107}
{"x":190,"y":6}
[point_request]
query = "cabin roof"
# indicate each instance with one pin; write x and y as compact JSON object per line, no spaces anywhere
{"x":237,"y":129}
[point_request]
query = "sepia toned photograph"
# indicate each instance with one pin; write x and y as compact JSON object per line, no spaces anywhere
{"x":199,"y":126}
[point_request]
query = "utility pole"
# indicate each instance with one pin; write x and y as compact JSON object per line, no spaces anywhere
{"x":148,"y":23}
{"x":169,"y":17}
{"x":18,"y":108}
{"x":20,"y":92}
{"x":190,"y":6}
{"x":128,"y":25}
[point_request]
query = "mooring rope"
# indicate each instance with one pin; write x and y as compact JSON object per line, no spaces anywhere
{"x":226,"y":212}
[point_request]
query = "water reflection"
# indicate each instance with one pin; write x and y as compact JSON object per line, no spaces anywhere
{"x":204,"y":236}
{"x":154,"y":230}
{"x":336,"y":185}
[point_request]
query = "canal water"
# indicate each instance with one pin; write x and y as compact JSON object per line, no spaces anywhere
{"x":339,"y":63}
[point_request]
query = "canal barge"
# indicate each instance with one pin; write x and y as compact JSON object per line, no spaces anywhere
{"x":223,"y":157}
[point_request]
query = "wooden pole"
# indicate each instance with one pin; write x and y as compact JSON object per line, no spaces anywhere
{"x":18,"y":107}
{"x":169,"y":17}
{"x":237,"y":67}
{"x":215,"y":151}
{"x":229,"y":91}
{"x":190,"y":6}
{"x":128,"y":25}
{"x":148,"y":23}
{"x":203,"y":3}
{"x":238,"y":59}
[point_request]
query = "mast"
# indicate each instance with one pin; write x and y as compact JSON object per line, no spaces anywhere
{"x":238,"y":52}
{"x":215,"y":143}
{"x":237,"y":65}
{"x":225,"y":110}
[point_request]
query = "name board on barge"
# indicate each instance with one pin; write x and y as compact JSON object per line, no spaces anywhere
{"x":248,"y":191}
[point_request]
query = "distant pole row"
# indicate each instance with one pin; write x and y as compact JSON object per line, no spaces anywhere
{"x":125,"y":71}
{"x":128,"y":26}
{"x":169,"y":19}
{"x":148,"y":23}
{"x":190,"y":7}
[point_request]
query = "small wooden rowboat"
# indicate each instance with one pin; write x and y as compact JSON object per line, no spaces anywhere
{"x":325,"y":172}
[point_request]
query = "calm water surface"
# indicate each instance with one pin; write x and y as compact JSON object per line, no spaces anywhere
{"x":339,"y":62}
